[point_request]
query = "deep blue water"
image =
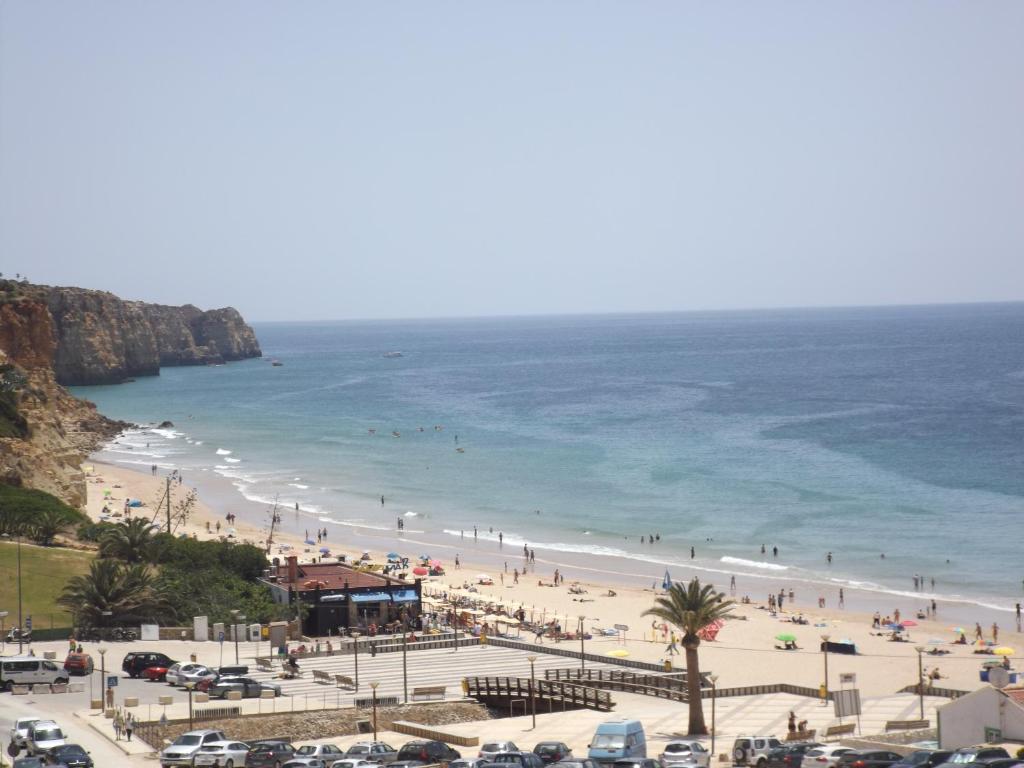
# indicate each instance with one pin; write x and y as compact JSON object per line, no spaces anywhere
{"x":856,"y":431}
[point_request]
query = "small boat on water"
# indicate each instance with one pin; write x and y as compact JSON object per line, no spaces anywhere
{"x":373,"y":431}
{"x":396,"y":433}
{"x":392,"y":354}
{"x":460,"y":450}
{"x":276,"y":363}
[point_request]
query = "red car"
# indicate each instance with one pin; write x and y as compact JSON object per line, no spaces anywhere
{"x":155,"y":674}
{"x":78,"y":664}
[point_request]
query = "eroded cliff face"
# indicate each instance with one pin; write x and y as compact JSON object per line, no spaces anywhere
{"x":46,"y":433}
{"x":102,"y":339}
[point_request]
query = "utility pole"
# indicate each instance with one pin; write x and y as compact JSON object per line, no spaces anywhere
{"x":168,"y":495}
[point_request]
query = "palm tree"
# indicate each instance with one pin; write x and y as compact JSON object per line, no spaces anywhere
{"x":126,"y":592}
{"x":691,"y":608}
{"x":130,"y":541}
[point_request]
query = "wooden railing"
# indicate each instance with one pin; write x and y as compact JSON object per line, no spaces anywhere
{"x":760,"y":690}
{"x":547,"y":695}
{"x":671,"y":685}
{"x":931,"y":690}
{"x":433,"y":734}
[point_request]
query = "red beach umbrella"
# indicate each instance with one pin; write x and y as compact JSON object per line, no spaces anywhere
{"x":420,"y":571}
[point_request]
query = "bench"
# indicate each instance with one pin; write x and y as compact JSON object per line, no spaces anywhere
{"x":264,"y":664}
{"x":319,"y":676}
{"x":428,"y":692}
{"x":905,"y":725}
{"x":801,"y":735}
{"x":835,"y":731}
{"x":344,"y":681}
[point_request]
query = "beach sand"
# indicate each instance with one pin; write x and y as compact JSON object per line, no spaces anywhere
{"x":744,"y":652}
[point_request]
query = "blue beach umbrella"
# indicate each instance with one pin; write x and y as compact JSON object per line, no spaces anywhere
{"x":325,"y":550}
{"x":666,"y":583}
{"x":394,"y":556}
{"x":310,"y":541}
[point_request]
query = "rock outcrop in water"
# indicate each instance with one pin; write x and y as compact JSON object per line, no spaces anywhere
{"x":51,"y":337}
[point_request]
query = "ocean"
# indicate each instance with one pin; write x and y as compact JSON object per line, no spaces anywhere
{"x":891,"y":437}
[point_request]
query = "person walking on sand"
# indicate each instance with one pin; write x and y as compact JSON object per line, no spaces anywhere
{"x":995,"y":632}
{"x":693,"y":553}
{"x":1018,"y":616}
{"x":732,"y":585}
{"x":978,"y":634}
{"x":842,"y":600}
{"x":515,"y":575}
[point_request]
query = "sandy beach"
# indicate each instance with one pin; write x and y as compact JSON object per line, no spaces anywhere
{"x":744,"y":653}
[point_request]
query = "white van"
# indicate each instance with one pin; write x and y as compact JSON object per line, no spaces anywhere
{"x":29,"y":670}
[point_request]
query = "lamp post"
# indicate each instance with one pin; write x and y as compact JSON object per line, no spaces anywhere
{"x":355,"y":643}
{"x":920,"y":679}
{"x":189,"y":686}
{"x":714,"y":697}
{"x":20,"y":625}
{"x":106,"y":623}
{"x":533,"y":700}
{"x":405,"y":665}
{"x":583,"y":661}
{"x":3,"y":640}
{"x":824,"y":646}
{"x":374,"y":687}
{"x":103,"y":676}
{"x":236,"y":616}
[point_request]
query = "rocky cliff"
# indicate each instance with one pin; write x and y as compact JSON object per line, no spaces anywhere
{"x":45,"y":433}
{"x":102,"y":339}
{"x":51,"y":337}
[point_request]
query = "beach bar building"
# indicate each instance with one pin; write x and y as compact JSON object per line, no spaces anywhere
{"x":987,"y":715}
{"x":338,"y":597}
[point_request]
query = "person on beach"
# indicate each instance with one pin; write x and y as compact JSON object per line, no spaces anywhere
{"x":995,"y":632}
{"x":732,"y":585}
{"x":792,"y":721}
{"x":775,"y":551}
{"x":457,"y":565}
{"x":118,"y":724}
{"x":693,"y":553}
{"x":978,"y":634}
{"x":515,"y":575}
{"x":762,"y":549}
{"x":828,"y":557}
{"x":842,"y":599}
{"x":1018,"y":616}
{"x":672,"y":649}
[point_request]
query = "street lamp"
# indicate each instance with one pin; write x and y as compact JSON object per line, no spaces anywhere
{"x":533,"y":700}
{"x":374,"y":687}
{"x":103,"y":674}
{"x":236,"y":616}
{"x":355,"y":643}
{"x":405,"y":665}
{"x":20,"y":625}
{"x":920,"y":679}
{"x":824,"y":646}
{"x":714,"y":697}
{"x":583,"y":662}
{"x":189,"y":686}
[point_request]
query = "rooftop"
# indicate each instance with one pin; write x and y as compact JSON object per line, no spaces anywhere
{"x":331,"y":576}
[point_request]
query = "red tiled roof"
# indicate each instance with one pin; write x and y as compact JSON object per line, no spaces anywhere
{"x":333,"y":576}
{"x":1016,"y":694}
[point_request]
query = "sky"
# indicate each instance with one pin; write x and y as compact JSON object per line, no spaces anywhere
{"x":329,"y":160}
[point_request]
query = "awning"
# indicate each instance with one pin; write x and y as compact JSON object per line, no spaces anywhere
{"x":398,"y":596}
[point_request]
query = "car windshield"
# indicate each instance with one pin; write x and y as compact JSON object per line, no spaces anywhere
{"x":508,"y":757}
{"x":309,"y":749}
{"x":493,"y":746}
{"x":71,"y":750}
{"x":963,"y":758}
{"x":359,"y":749}
{"x":187,"y":741}
{"x":609,"y":741}
{"x":677,"y":748}
{"x":48,"y":734}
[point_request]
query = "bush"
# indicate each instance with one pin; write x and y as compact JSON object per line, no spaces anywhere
{"x":35,"y":514}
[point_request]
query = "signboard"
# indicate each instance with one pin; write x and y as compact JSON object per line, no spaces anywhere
{"x":847,"y":678}
{"x":28,"y":622}
{"x":220,"y":636}
{"x":111,"y":681}
{"x":622,"y":627}
{"x":993,"y":735}
{"x":847,"y":702}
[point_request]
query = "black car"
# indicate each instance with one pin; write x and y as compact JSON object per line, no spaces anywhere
{"x":517,"y":760}
{"x":790,"y":755}
{"x":71,"y":755}
{"x":924,"y":758}
{"x":422,"y":752}
{"x":136,"y":661}
{"x":868,"y":758}
{"x":271,"y":753}
{"x":552,"y":751}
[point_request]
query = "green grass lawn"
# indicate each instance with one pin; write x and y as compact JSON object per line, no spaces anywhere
{"x":44,"y":572}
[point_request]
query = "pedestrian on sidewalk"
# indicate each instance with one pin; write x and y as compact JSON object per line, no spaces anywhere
{"x":129,"y":725}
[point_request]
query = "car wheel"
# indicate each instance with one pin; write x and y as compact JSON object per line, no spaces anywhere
{"x":61,"y":681}
{"x":277,"y":764}
{"x":229,"y":763}
{"x":761,"y":763}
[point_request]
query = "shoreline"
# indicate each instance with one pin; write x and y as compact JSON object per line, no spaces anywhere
{"x":738,"y":654}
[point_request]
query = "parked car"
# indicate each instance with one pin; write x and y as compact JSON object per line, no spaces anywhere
{"x":71,"y":755}
{"x":753,"y":750}
{"x":975,"y":754}
{"x":552,"y":751}
{"x":1001,"y":762}
{"x":419,"y":752}
{"x":636,"y":762}
{"x":180,"y":752}
{"x":924,"y":758}
{"x":680,"y":753}
{"x":790,"y":755}
{"x":467,"y":762}
{"x":157,"y":674}
{"x":517,"y":760}
{"x":354,"y":762}
{"x":29,"y":670}
{"x":315,"y":756}
{"x":825,"y":757}
{"x":136,"y":661}
{"x":175,"y":672}
{"x":868,"y":758}
{"x":272,"y":753}
{"x":223,"y":754}
{"x":491,"y":748}
{"x":78,"y":664}
{"x":249,"y":688}
{"x":30,"y":762}
{"x":576,"y":762}
{"x":199,"y":673}
{"x":20,"y":730}
{"x":373,"y":751}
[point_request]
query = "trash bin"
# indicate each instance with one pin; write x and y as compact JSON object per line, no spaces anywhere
{"x":822,"y":691}
{"x":668,"y":665}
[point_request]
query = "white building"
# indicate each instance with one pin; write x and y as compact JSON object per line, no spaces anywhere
{"x":988,"y":714}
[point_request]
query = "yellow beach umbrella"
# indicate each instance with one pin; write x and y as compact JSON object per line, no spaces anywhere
{"x":619,"y":653}
{"x":1003,"y":650}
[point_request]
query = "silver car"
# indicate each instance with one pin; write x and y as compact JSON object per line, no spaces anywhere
{"x":491,"y":748}
{"x":372,"y":751}
{"x":684,"y":753}
{"x":176,"y":672}
{"x":21,"y":729}
{"x":196,"y":674}
{"x":315,"y":756}
{"x":249,"y":688}
{"x":223,"y":754}
{"x":351,"y":762}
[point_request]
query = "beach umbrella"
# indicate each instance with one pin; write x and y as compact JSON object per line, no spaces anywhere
{"x":394,"y":556}
{"x":618,"y":653}
{"x":310,"y":541}
{"x":325,"y":550}
{"x":1003,"y":650}
{"x":435,"y":563}
{"x":958,"y":630}
{"x":785,"y":637}
{"x":908,"y":623}
{"x":419,"y":570}
{"x":424,"y":557}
